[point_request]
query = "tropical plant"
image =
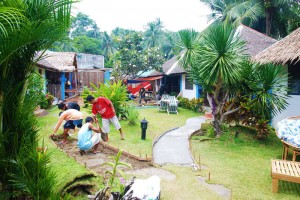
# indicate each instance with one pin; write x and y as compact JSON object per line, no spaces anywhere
{"x":35,"y":88}
{"x":84,"y":94}
{"x":23,"y":173}
{"x":116,"y":92}
{"x":153,"y":33}
{"x":132,"y":116}
{"x":107,"y":46}
{"x":279,"y":16}
{"x":168,"y":46}
{"x":195,"y":104}
{"x":115,"y":171}
{"x":217,"y":62}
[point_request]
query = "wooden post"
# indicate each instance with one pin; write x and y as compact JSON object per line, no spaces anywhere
{"x":140,"y":153}
{"x":199,"y":163}
{"x":85,"y":164}
{"x":209,"y":176}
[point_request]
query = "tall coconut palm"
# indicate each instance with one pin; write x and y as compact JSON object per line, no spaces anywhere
{"x":29,"y":26}
{"x":107,"y":48}
{"x":153,"y":33}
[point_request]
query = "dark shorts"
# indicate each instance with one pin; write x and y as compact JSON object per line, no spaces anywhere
{"x":70,"y":124}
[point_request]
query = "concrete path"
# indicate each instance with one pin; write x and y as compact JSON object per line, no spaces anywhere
{"x":173,"y":146}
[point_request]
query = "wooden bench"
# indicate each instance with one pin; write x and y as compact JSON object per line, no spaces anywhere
{"x":286,"y":171}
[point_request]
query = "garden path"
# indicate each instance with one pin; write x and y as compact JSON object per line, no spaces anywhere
{"x":173,"y":146}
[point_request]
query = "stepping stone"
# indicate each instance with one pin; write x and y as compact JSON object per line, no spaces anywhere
{"x":163,"y":174}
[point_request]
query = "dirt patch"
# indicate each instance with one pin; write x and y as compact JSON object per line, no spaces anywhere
{"x":95,"y":161}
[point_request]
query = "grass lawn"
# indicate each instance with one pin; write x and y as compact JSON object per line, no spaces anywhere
{"x":67,"y":168}
{"x":243,"y":165}
{"x":158,"y":123}
{"x":239,"y":163}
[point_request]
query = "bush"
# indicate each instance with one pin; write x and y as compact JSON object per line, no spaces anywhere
{"x":115,"y":92}
{"x":132,"y":116}
{"x":194,"y":104}
{"x":86,"y":92}
{"x":46,"y":101}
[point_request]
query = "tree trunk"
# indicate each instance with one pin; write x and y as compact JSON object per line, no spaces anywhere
{"x":217,"y":127}
{"x":216,"y":115}
{"x":269,"y":12}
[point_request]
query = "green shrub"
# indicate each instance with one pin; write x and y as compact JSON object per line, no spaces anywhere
{"x":115,"y":92}
{"x":35,"y":89}
{"x":205,"y":126}
{"x":47,"y":101}
{"x":210,"y":132}
{"x":193,"y":104}
{"x":132,"y":116}
{"x":86,"y":92}
{"x":263,"y":129}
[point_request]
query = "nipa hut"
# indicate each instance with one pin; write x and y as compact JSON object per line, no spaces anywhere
{"x":60,"y":71}
{"x":286,"y":52}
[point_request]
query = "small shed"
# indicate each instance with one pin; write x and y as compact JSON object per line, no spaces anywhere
{"x":60,"y":71}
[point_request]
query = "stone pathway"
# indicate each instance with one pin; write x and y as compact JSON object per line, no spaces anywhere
{"x":173,"y":146}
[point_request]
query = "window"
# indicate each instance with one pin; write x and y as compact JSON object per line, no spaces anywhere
{"x":40,"y":71}
{"x":188,"y":84}
{"x":294,"y":80}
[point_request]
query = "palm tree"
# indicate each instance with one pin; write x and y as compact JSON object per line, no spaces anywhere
{"x":168,"y":46}
{"x":153,"y":33}
{"x":253,"y":12}
{"x":216,"y":60}
{"x":107,"y":46}
{"x":26,"y":27}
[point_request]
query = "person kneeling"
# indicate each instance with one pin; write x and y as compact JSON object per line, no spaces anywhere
{"x":86,"y":139}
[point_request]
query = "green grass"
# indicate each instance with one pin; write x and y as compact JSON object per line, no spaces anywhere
{"x":240,"y":163}
{"x":243,"y":165}
{"x":66,"y":168}
{"x":158,"y":123}
{"x":185,"y":186}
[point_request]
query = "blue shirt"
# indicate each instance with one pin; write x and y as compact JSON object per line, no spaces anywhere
{"x":84,"y":137}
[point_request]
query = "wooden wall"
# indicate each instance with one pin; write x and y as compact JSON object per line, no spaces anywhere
{"x":87,"y":77}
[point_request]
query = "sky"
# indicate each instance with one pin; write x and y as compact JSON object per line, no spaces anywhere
{"x":135,"y":14}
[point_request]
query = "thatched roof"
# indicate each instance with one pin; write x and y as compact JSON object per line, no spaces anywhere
{"x":57,"y":61}
{"x":282,"y":52}
{"x":255,"y":41}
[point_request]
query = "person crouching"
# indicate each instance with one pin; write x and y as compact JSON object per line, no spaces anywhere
{"x":86,"y":139}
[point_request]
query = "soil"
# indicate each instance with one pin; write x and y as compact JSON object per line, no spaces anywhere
{"x":95,"y":161}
